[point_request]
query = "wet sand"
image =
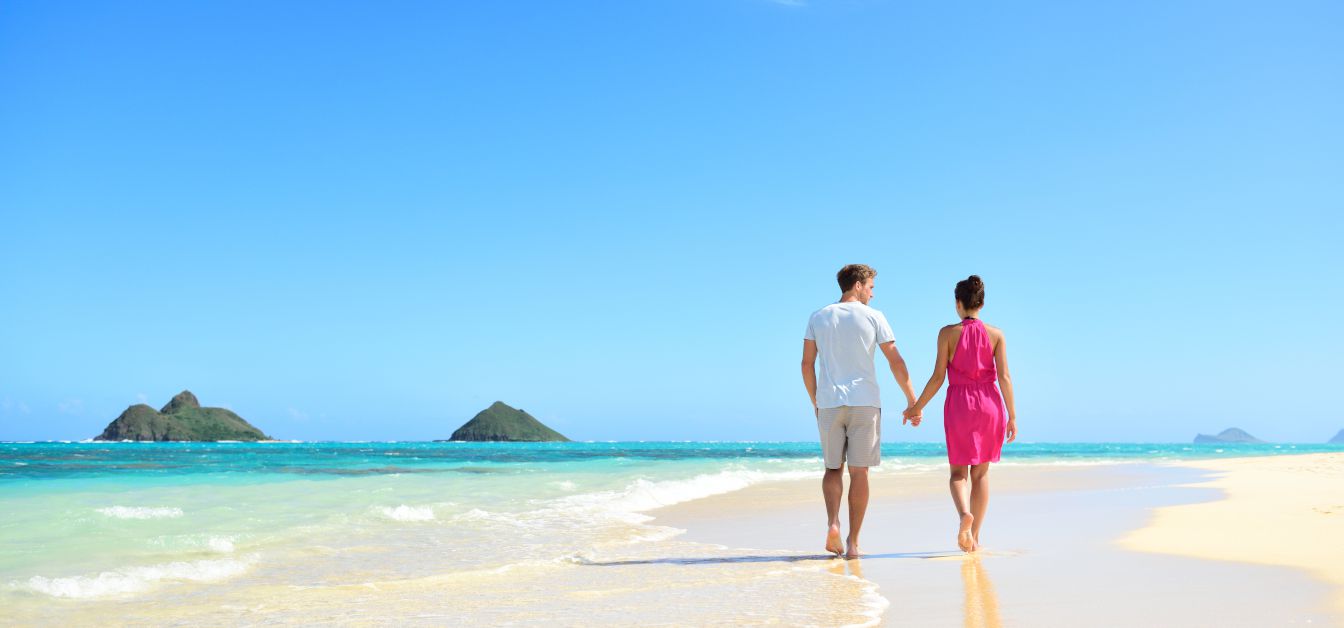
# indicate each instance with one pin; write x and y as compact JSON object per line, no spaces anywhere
{"x":1286,"y":511}
{"x":1052,"y":553}
{"x":1064,"y":545}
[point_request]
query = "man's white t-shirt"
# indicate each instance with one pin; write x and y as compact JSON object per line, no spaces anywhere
{"x":847,"y":335}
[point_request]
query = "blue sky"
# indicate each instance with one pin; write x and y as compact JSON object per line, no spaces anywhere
{"x":371,"y":220}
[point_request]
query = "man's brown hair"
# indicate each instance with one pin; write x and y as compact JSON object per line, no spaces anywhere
{"x":852,"y":274}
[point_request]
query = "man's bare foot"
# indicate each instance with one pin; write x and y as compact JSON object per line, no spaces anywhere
{"x":852,"y":550}
{"x":833,"y":540}
{"x":965,"y":538}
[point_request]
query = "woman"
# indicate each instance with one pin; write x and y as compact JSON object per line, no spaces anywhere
{"x":974,"y":414}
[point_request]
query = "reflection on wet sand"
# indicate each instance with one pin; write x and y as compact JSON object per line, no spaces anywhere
{"x":981,"y":605}
{"x":847,"y":567}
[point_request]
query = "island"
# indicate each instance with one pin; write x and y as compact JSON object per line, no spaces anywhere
{"x":1337,"y":440}
{"x":1229,"y":435}
{"x":183,"y":419}
{"x":501,"y":422}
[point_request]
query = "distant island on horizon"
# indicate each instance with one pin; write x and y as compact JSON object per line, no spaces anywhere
{"x":504,"y":423}
{"x":182,"y":419}
{"x":1229,"y":435}
{"x":1238,"y":435}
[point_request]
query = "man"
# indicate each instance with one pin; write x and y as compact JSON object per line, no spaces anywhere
{"x":845,"y":396}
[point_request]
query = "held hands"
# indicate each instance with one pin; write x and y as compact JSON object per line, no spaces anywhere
{"x":912,"y":415}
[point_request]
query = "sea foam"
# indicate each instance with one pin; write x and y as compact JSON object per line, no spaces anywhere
{"x":136,"y":579}
{"x":644,"y":495}
{"x":408,"y":513}
{"x":221,"y":544}
{"x":194,"y":543}
{"x":137,"y":512}
{"x":628,"y":504}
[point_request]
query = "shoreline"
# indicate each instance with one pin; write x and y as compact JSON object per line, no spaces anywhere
{"x":1281,"y":511}
{"x":1053,"y":554}
{"x":738,"y":543}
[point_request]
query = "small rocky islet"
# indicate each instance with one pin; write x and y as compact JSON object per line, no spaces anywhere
{"x":1235,"y":435}
{"x":182,"y":419}
{"x":1229,"y":435}
{"x":504,"y":423}
{"x":185,"y":419}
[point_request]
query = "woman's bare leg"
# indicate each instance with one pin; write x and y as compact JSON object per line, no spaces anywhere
{"x":979,"y":498}
{"x":961,"y":499}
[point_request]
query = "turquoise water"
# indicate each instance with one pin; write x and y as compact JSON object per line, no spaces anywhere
{"x":274,"y":461}
{"x":89,"y":528}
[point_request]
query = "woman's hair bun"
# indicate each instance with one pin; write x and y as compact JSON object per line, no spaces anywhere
{"x":971,"y":292}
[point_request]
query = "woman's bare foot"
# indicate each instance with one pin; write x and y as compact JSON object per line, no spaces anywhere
{"x":833,"y":540}
{"x":965,"y":538}
{"x":852,"y":550}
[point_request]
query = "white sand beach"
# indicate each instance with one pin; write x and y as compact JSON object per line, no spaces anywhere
{"x":1244,"y":542}
{"x":1053,"y":552}
{"x":1284,"y":511}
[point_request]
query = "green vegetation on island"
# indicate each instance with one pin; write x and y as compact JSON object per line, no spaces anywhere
{"x":183,"y":419}
{"x":1229,"y":435}
{"x":500,"y":422}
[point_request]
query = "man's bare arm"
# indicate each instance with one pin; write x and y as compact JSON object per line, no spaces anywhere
{"x":899,"y":370}
{"x":810,"y":371}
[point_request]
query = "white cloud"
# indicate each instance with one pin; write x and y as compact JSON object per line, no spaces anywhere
{"x":298,"y":415}
{"x":142,"y":397}
{"x":71,"y":406}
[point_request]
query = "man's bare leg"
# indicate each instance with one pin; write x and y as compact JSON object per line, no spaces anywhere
{"x":979,"y":498}
{"x":858,"y":506}
{"x":960,"y":499}
{"x":832,"y":485}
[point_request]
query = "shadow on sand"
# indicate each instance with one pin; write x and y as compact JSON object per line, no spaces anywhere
{"x":778,"y":558}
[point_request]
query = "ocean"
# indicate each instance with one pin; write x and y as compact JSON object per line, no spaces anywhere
{"x":432,"y":533}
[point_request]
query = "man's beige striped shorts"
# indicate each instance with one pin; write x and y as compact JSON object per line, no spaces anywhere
{"x":851,"y":434}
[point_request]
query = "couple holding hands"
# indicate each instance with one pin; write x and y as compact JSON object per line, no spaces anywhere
{"x":978,"y":415}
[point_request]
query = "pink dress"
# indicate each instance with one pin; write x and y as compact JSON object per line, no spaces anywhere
{"x":974,"y":419}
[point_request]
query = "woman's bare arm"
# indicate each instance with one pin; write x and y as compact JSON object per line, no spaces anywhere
{"x":1006,"y":384}
{"x":939,"y":370}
